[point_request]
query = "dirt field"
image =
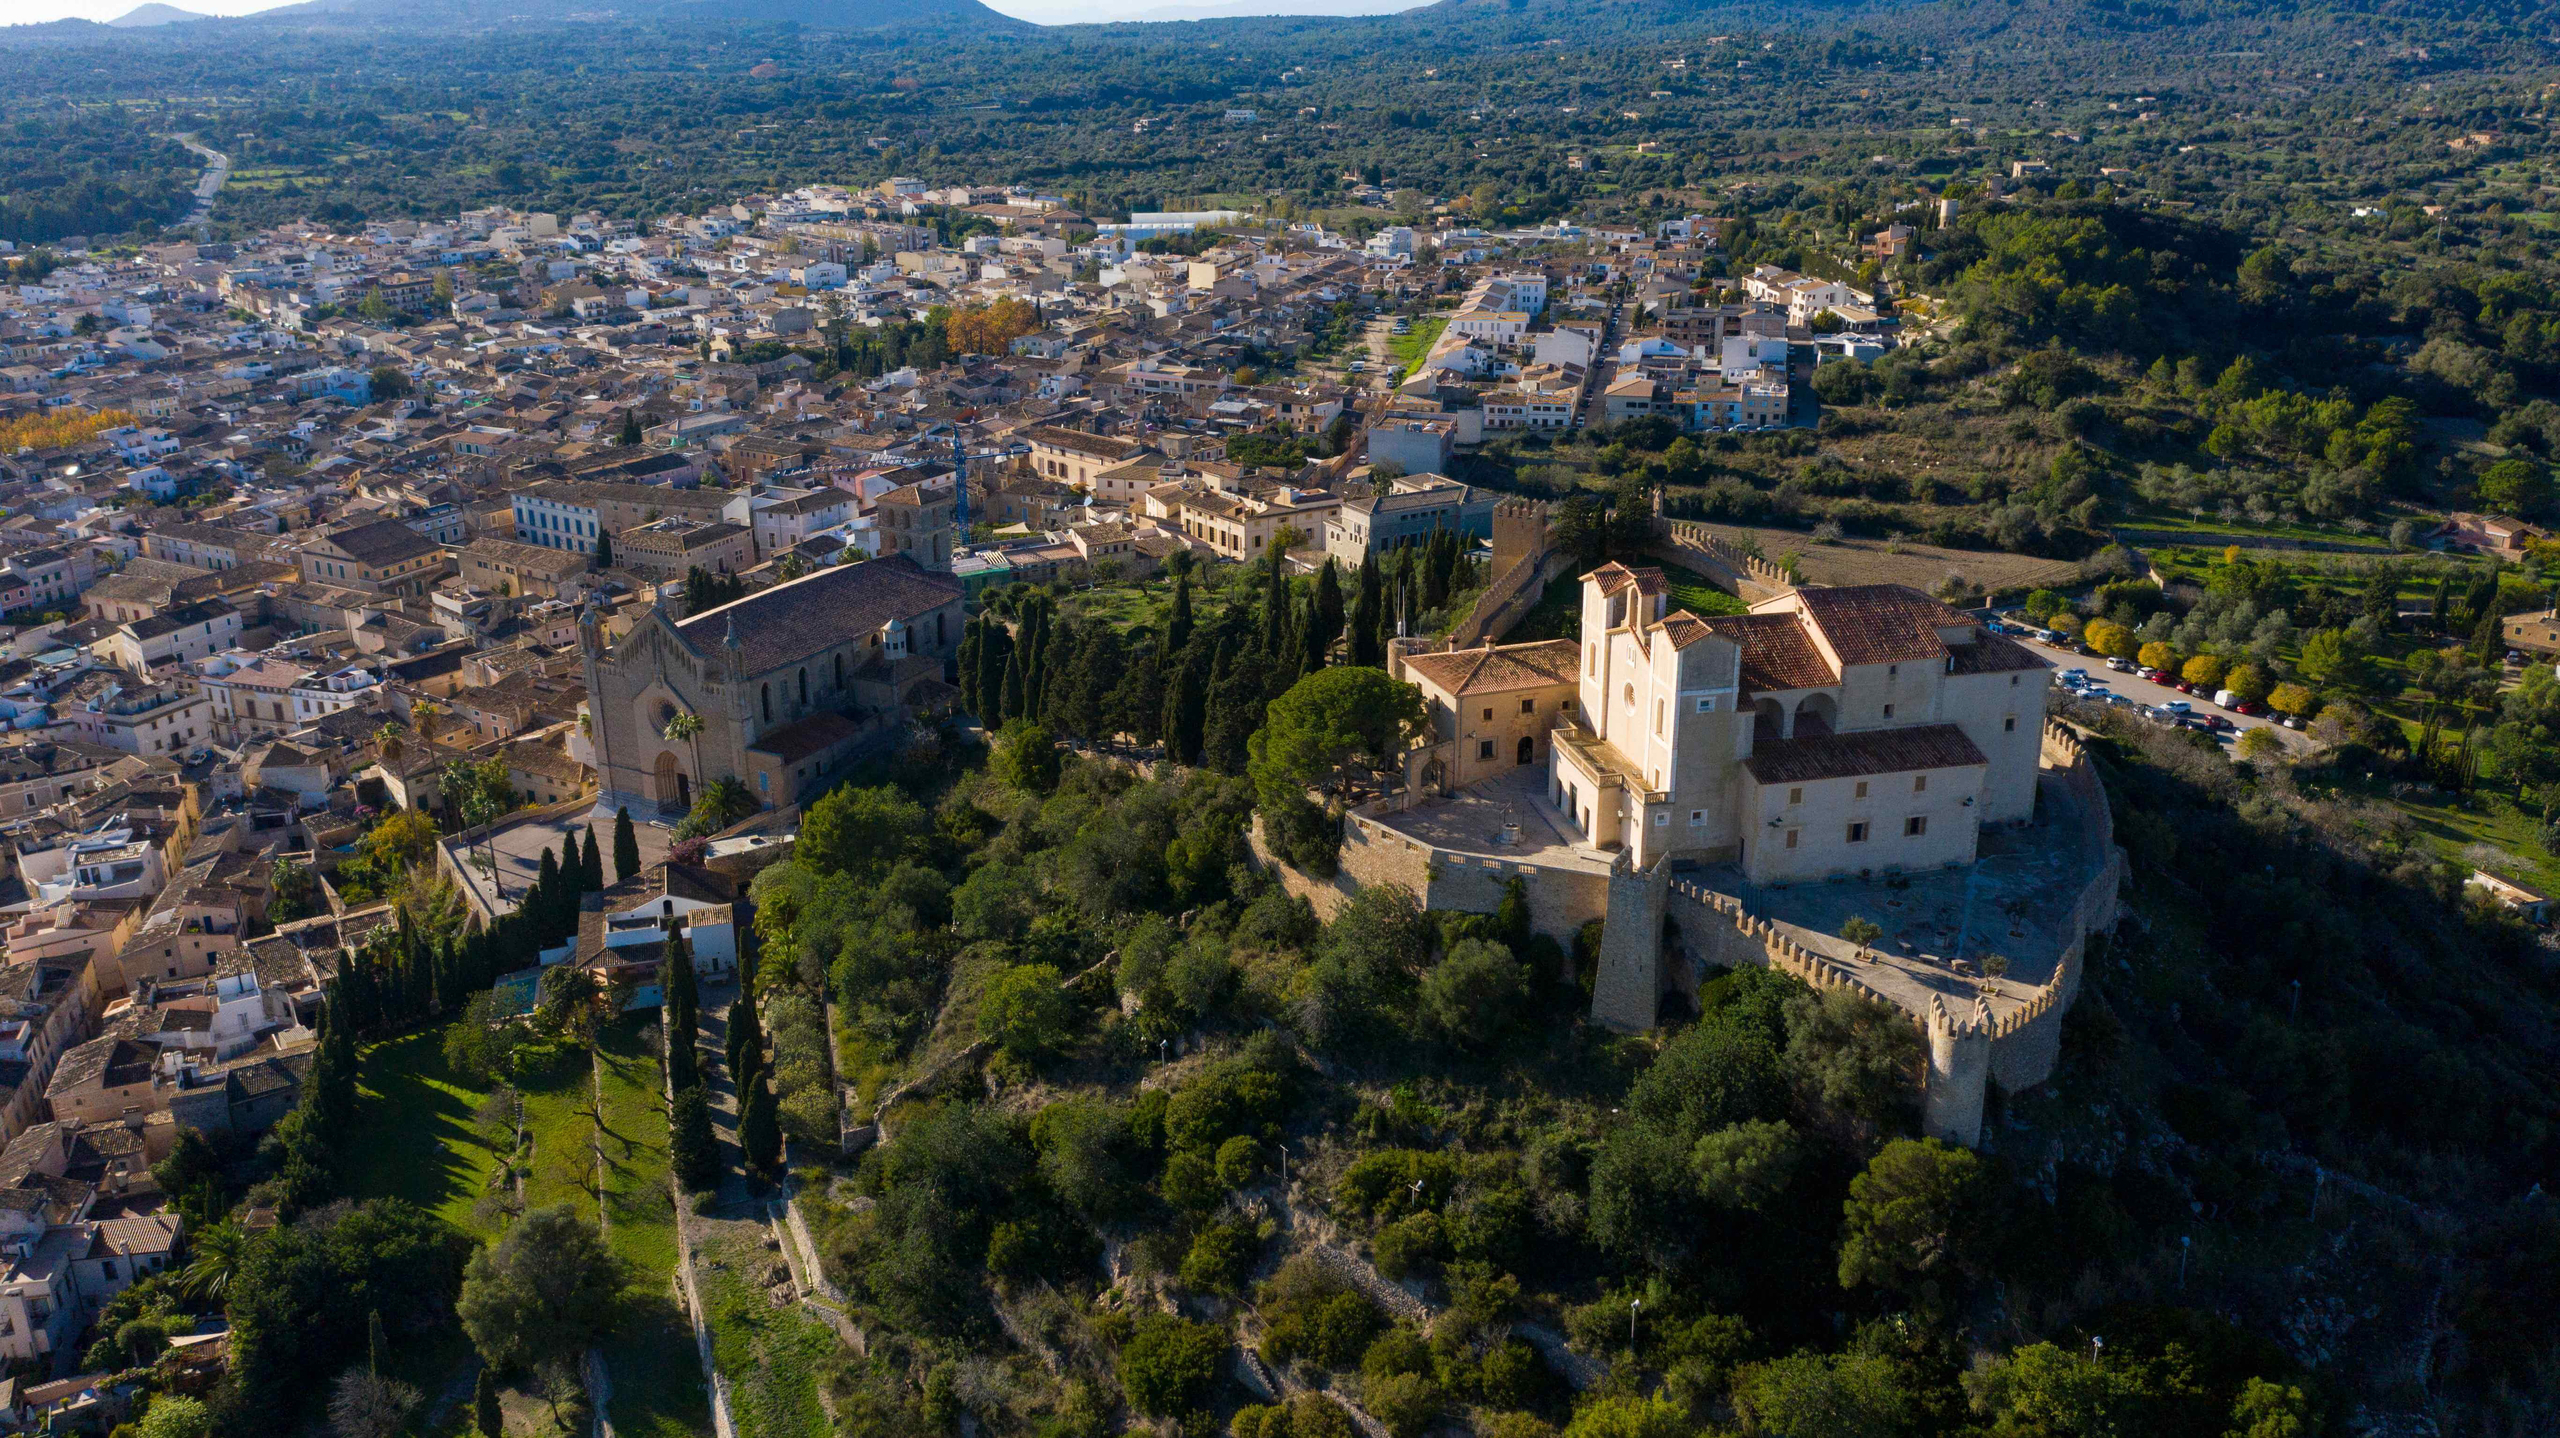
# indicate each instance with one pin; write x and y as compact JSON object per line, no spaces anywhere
{"x":1922,"y":566}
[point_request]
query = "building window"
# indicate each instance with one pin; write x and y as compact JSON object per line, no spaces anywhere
{"x":1920,"y":784}
{"x":2009,"y":725}
{"x":1697,"y":818}
{"x":768,"y":715}
{"x":1862,"y":788}
{"x":2013,"y":681}
{"x":1915,"y":826}
{"x":1792,"y":835}
{"x":1891,"y":670}
{"x":1858,"y":832}
{"x":1488,"y":713}
{"x":1662,"y":820}
{"x":1484,"y":748}
{"x":1629,"y":695}
{"x":1528,"y":706}
{"x":1657,"y":716}
{"x":1706,"y":706}
{"x":1888,"y":711}
{"x":1795,"y":796}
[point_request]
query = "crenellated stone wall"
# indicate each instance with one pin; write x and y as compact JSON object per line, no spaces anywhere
{"x":1968,"y":1046}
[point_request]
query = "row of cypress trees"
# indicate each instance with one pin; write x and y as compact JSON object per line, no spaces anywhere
{"x":1198,"y":689}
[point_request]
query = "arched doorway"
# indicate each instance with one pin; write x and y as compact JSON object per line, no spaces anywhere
{"x":673,"y":788}
{"x":1768,"y":721}
{"x":1816,"y":715}
{"x":1528,"y":749}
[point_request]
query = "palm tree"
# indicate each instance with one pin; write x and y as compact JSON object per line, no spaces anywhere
{"x":219,"y":1251}
{"x":686,"y":728}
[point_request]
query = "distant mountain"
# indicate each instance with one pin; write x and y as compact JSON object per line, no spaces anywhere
{"x":154,"y":13}
{"x":815,"y":14}
{"x":1244,"y":9}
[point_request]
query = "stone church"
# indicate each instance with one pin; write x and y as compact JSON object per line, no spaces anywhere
{"x":791,"y":684}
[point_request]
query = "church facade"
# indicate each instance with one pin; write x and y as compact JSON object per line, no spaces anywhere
{"x":786,"y":686}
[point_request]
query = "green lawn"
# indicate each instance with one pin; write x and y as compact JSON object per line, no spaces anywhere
{"x":656,"y":1374}
{"x":418,"y":1140}
{"x":2204,"y":531}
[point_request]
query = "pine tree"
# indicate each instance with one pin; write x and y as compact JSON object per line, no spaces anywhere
{"x":1177,"y":630}
{"x":591,"y":865}
{"x":1369,"y":616}
{"x":626,"y":847}
{"x":758,"y":1131}
{"x":485,"y":1413}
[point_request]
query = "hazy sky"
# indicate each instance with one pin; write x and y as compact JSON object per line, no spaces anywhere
{"x":1045,"y":12}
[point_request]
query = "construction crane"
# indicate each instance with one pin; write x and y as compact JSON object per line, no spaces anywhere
{"x":961,"y":454}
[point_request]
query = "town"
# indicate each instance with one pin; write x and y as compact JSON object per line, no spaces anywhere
{"x":938,"y":650}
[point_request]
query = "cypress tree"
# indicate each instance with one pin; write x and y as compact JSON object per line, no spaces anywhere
{"x":626,"y":847}
{"x":972,"y":634}
{"x":684,"y":1066}
{"x":604,"y":547}
{"x":692,"y":1150}
{"x":1275,"y":607}
{"x":485,"y":1413}
{"x":1369,"y":616}
{"x":591,"y":865}
{"x":1177,"y":630}
{"x":1012,"y":704}
{"x":746,"y":1037}
{"x":995,"y":650}
{"x":1186,"y":705}
{"x":1325,"y":618}
{"x":758,"y":1131}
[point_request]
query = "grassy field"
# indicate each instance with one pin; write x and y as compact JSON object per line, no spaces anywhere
{"x":656,"y":1375}
{"x":1412,"y":348}
{"x":419,"y":1140}
{"x":774,"y":1358}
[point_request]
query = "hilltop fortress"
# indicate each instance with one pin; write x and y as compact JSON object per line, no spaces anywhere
{"x":1736,"y":789}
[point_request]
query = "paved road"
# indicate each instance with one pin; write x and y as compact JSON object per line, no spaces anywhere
{"x":1604,"y":370}
{"x":217,"y":173}
{"x":2143,"y":691}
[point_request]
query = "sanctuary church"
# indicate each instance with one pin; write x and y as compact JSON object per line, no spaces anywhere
{"x":784,"y":687}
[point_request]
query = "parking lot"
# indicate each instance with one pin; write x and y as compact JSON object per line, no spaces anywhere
{"x":2141,"y":691}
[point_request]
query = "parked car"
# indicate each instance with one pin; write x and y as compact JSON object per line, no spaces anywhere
{"x":2249,"y":706}
{"x":2075,"y":676}
{"x":2218,"y":724}
{"x":2224,"y":698}
{"x":2178,"y":706}
{"x":2121,"y":666}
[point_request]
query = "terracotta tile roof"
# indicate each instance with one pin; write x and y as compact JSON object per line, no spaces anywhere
{"x":1882,"y":623}
{"x":1508,"y":666}
{"x":820,"y":610}
{"x":1871,"y":751}
{"x":1614,"y":576}
{"x":1777,"y":653}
